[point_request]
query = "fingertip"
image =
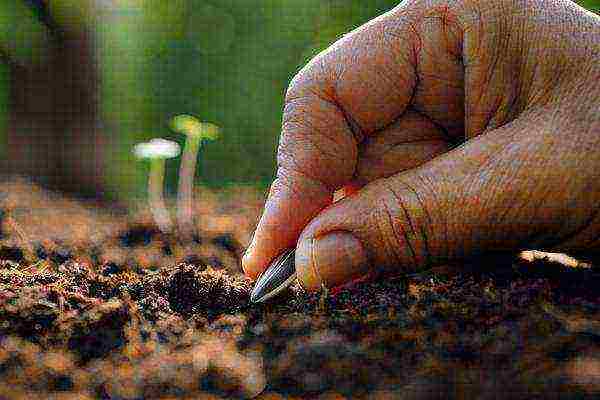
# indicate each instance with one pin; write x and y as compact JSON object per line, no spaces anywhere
{"x":248,"y":264}
{"x":285,"y":215}
{"x":253,"y":262}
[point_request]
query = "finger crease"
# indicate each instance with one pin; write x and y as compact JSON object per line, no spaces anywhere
{"x":409,"y":221}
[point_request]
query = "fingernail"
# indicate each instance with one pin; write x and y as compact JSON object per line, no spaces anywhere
{"x":247,"y":260}
{"x":330,"y":260}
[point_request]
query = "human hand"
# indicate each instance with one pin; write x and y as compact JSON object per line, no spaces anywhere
{"x":380,"y":114}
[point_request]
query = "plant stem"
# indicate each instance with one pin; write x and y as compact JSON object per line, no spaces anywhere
{"x":185,"y":192}
{"x":155,"y":195}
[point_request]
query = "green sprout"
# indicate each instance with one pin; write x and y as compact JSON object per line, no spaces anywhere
{"x":195,"y":132}
{"x":157,"y":151}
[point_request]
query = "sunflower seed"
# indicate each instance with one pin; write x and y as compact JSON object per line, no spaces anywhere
{"x":278,"y":276}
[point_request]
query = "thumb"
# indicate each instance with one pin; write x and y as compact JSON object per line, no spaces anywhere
{"x":515,"y":187}
{"x":383,"y":225}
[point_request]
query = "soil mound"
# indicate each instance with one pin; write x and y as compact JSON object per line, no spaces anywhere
{"x":101,"y":305}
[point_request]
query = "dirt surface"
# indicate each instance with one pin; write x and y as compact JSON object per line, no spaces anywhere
{"x":98,"y":304}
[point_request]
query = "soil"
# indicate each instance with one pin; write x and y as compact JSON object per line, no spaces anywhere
{"x":99,"y":304}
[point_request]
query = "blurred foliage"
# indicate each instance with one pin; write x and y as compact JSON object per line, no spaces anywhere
{"x":227,"y":62}
{"x":593,"y":5}
{"x":22,"y":37}
{"x":4,"y":91}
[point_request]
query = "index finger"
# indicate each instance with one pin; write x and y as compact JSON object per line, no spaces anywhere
{"x":359,"y":85}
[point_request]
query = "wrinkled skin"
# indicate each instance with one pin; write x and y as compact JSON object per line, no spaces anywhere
{"x":453,"y":127}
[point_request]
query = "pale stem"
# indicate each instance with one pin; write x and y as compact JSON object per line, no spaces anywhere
{"x":185,"y":192}
{"x":155,"y":195}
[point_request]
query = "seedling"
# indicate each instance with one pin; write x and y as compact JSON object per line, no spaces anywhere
{"x":195,"y":132}
{"x":157,"y":151}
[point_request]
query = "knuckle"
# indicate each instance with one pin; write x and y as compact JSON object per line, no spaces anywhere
{"x":403,"y":225}
{"x":294,"y":88}
{"x":311,"y":80}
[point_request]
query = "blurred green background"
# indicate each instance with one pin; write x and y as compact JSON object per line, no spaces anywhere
{"x":226,"y":62}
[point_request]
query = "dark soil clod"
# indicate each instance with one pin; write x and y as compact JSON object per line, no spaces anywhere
{"x":100,"y":330}
{"x":61,"y":255}
{"x":166,"y":249}
{"x":111,"y":268}
{"x":40,"y":251}
{"x":207,"y":292}
{"x":138,"y":236}
{"x":12,"y":253}
{"x":2,"y":218}
{"x":198,"y":262}
{"x":227,"y":242}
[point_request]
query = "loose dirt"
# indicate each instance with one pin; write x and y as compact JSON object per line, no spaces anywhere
{"x":96,"y":303}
